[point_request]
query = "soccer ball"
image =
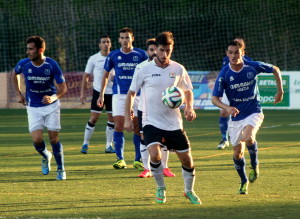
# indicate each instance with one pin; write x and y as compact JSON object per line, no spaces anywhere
{"x":172,"y":97}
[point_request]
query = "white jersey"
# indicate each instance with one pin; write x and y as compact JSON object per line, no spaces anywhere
{"x":140,"y":101}
{"x":95,"y":66}
{"x":153,"y":80}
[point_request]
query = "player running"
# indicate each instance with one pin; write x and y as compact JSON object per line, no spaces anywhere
{"x":239,"y":81}
{"x":42,"y":101}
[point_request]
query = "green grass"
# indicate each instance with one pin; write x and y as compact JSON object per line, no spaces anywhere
{"x":93,"y":189}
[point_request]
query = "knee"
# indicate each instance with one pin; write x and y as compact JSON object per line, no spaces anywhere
{"x":248,"y":139}
{"x":53,"y":140}
{"x":37,"y":140}
{"x":238,"y":155}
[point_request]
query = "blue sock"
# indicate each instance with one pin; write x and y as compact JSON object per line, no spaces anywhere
{"x":119,"y":144}
{"x":240,"y":168}
{"x":137,"y":143}
{"x":41,"y":148}
{"x":223,"y":124}
{"x":253,"y":152}
{"x":59,"y":155}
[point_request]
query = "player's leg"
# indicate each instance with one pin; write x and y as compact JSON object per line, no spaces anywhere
{"x":52,"y":122}
{"x":177,"y":140}
{"x":223,"y":125}
{"x":253,"y":122}
{"x":235,"y":134}
{"x":137,"y":142}
{"x":36,"y":126}
{"x":164,"y":159}
{"x":143,"y":150}
{"x":110,"y":124}
{"x":90,"y":125}
{"x":153,"y":138}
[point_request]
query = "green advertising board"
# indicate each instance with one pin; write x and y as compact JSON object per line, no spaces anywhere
{"x":268,"y":88}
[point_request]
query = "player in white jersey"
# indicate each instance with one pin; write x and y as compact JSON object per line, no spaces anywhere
{"x":151,"y":51}
{"x":95,"y":66}
{"x":239,"y":81}
{"x":161,"y":122}
{"x":42,"y":101}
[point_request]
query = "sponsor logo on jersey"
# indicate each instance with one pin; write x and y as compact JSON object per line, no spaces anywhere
{"x":250,"y":75}
{"x":30,"y":70}
{"x":135,"y":58}
{"x":119,"y":58}
{"x":156,"y":75}
{"x":231,"y":78}
{"x":47,"y":71}
{"x":172,"y":74}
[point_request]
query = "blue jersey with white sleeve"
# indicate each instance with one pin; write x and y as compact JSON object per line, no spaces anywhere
{"x":39,"y":80}
{"x":124,"y":65}
{"x":241,"y":87}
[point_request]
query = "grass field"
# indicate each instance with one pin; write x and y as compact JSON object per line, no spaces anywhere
{"x":93,"y":189}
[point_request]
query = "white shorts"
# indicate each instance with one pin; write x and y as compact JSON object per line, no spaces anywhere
{"x":235,"y":128}
{"x":118,"y":105}
{"x":46,"y":116}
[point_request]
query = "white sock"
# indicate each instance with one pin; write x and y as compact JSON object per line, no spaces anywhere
{"x":188,"y":176}
{"x":157,"y":172}
{"x":89,"y":130}
{"x":164,"y":157}
{"x":145,"y":156}
{"x":109,"y":133}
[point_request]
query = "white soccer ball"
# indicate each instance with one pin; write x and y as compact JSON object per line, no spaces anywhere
{"x":172,"y":97}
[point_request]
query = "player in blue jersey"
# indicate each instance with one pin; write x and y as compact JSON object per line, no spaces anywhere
{"x":239,"y":81}
{"x":224,"y":117}
{"x":42,"y":101}
{"x":124,"y":61}
{"x":95,"y":66}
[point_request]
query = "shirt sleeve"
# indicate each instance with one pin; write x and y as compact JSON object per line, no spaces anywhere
{"x":58,"y":74}
{"x":137,"y":79}
{"x":109,"y":64}
{"x":185,"y":82}
{"x":89,"y":66}
{"x":219,"y":85}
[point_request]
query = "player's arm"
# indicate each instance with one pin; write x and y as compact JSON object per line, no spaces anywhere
{"x":189,"y":111}
{"x":61,"y":89}
{"x":128,"y":124}
{"x":279,"y":95}
{"x":104,"y":81}
{"x":230,"y":110}
{"x":85,"y":80}
{"x":16,"y":85}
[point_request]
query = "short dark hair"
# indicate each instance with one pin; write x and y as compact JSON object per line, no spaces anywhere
{"x":236,"y":43}
{"x":104,"y":36}
{"x":150,"y":42}
{"x":38,"y":41}
{"x":165,"y":39}
{"x":125,"y":30}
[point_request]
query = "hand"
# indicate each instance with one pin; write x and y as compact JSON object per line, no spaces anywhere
{"x":49,"y":99}
{"x":21,"y":99}
{"x":232,"y":111}
{"x":128,"y":124}
{"x":189,"y":114}
{"x":100,"y":101}
{"x":278,"y":97}
{"x":82,"y":98}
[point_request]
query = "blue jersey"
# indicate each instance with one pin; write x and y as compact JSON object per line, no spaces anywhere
{"x":124,"y":65}
{"x":39,"y":80}
{"x":226,"y":60}
{"x":241,"y":87}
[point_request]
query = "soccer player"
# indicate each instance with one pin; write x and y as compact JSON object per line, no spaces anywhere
{"x":224,"y":117}
{"x":95,"y":66}
{"x":239,"y":81}
{"x":160,"y":121}
{"x":124,"y":61}
{"x":42,"y":101}
{"x":151,"y":51}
